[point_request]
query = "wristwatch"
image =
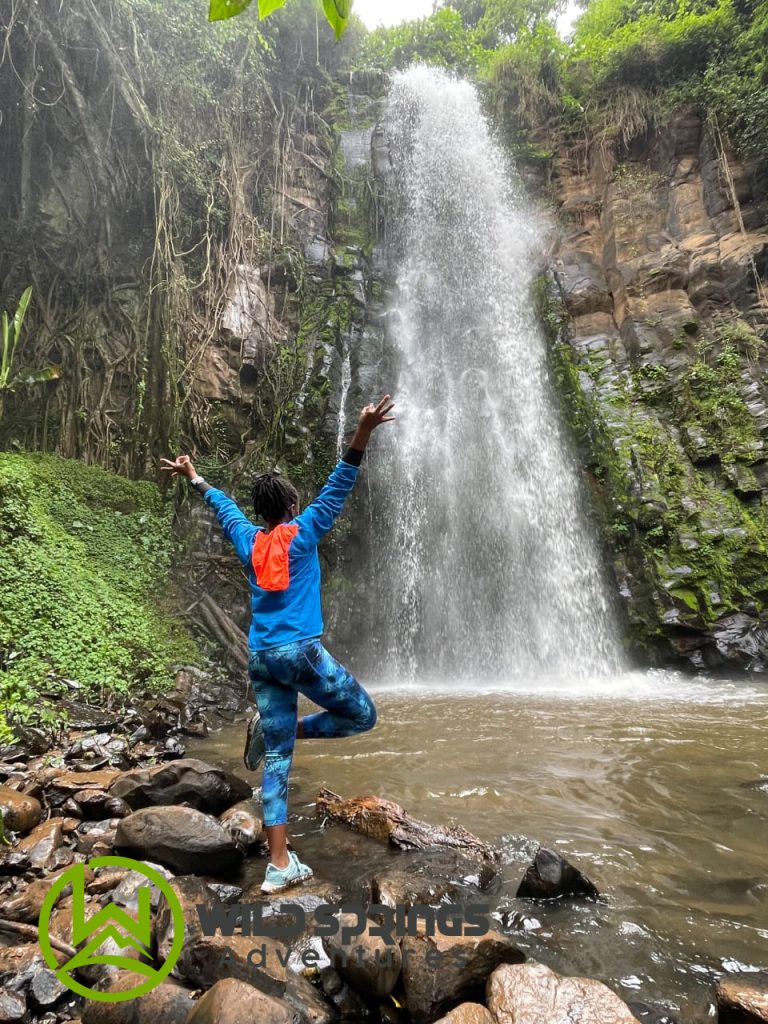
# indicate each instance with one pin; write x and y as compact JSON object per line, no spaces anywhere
{"x":196,"y":480}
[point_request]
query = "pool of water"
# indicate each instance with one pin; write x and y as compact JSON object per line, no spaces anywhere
{"x":638,"y":780}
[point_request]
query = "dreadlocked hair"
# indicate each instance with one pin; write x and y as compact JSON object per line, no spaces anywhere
{"x":272,"y":496}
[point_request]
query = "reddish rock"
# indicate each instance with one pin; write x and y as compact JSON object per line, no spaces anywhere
{"x":231,"y":1002}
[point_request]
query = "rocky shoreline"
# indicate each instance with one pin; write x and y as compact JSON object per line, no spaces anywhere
{"x":120,"y":783}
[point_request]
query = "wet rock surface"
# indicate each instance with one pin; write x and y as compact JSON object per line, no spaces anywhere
{"x":742,"y":999}
{"x":442,"y":970}
{"x":551,"y":876}
{"x":182,"y":838}
{"x":535,"y":994}
{"x":186,"y":781}
{"x":231,"y":1001}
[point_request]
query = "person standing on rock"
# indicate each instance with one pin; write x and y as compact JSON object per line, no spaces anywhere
{"x":286,"y":655}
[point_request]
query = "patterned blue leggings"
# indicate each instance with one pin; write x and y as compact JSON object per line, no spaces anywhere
{"x":278,"y":676}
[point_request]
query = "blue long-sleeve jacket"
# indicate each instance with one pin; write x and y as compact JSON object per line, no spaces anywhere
{"x":282,"y":564}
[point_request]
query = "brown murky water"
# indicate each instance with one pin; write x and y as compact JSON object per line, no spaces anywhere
{"x":639,"y":781}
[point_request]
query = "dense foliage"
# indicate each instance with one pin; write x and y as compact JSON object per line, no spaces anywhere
{"x":627,"y":64}
{"x":84,"y":556}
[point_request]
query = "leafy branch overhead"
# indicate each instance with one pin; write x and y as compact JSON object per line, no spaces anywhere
{"x":337,"y":12}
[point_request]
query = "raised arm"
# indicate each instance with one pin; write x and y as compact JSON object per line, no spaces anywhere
{"x":318,"y":517}
{"x":237,"y":527}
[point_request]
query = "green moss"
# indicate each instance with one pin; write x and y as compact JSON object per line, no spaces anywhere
{"x":85,"y":556}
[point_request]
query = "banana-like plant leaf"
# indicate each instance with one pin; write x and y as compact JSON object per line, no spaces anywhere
{"x":220,"y":10}
{"x":267,"y":6}
{"x":39,"y":376}
{"x":5,"y":354}
{"x":337,"y":12}
{"x":21,"y":311}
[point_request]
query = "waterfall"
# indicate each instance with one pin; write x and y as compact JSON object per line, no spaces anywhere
{"x":484,"y":566}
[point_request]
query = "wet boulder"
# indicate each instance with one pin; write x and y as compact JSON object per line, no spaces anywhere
{"x":742,"y":999}
{"x":191,"y":893}
{"x":365,"y":961}
{"x":187,"y":781}
{"x":169,"y":1003}
{"x":551,"y":876}
{"x":19,"y":812}
{"x":258,"y":961}
{"x":440,"y":971}
{"x":535,"y":994}
{"x":38,"y":850}
{"x":307,"y":1002}
{"x":347,"y":1002}
{"x":468,"y":1013}
{"x":181,"y":838}
{"x":231,"y":1001}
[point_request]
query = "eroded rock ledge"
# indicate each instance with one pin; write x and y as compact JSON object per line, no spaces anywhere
{"x":660,"y":308}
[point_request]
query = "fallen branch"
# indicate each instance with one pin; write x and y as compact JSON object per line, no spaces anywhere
{"x":384,"y":819}
{"x":30,"y":931}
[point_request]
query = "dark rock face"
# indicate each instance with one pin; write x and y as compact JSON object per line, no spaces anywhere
{"x":663,"y":359}
{"x":366,"y":962}
{"x":187,"y":781}
{"x":441,"y":971}
{"x":551,"y":876}
{"x":182,"y":838}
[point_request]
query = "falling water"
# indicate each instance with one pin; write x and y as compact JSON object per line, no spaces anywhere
{"x":486,"y":563}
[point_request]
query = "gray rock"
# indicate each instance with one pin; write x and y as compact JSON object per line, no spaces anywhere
{"x":181,"y":838}
{"x":188,"y":781}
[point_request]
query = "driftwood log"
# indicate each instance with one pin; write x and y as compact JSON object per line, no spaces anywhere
{"x":384,"y":819}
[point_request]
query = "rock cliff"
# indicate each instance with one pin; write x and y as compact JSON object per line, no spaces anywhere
{"x":659,"y":313}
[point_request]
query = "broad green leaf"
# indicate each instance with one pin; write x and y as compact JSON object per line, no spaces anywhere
{"x":337,"y":12}
{"x":21,"y":310}
{"x":220,"y":10}
{"x":267,"y":6}
{"x":5,"y":355}
{"x":37,"y":376}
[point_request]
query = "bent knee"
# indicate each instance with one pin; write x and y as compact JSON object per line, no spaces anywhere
{"x":367,"y":717}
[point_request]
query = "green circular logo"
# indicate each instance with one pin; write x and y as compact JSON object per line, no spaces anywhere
{"x":110,"y":922}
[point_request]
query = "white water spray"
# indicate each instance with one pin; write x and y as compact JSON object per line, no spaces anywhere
{"x":486,"y":567}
